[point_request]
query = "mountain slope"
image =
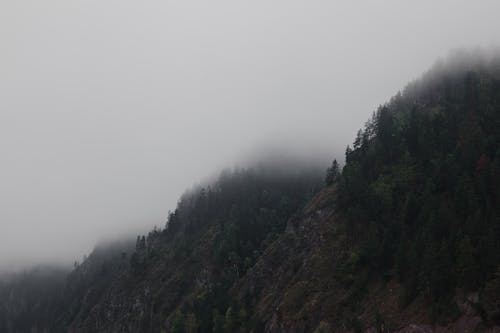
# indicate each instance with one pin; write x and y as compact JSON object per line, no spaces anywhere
{"x":405,"y":238}
{"x":410,"y":233}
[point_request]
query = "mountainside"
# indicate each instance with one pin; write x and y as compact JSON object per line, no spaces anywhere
{"x":405,"y":238}
{"x":409,"y":232}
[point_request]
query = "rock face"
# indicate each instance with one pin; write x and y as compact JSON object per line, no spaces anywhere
{"x":292,"y":286}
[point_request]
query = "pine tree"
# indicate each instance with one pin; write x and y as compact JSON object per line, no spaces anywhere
{"x":332,"y":173}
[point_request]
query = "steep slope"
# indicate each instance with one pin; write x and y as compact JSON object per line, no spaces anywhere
{"x":409,"y":236}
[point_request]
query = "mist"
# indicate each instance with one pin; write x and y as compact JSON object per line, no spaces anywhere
{"x":109,"y":110}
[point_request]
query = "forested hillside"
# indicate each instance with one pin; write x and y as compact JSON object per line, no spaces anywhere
{"x":404,"y":237}
{"x":407,"y":236}
{"x":422,"y":181}
{"x":423,"y":177}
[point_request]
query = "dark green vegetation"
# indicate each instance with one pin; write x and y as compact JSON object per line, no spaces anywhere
{"x":408,"y":231}
{"x":423,"y":179}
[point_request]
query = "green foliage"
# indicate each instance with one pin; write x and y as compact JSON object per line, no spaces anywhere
{"x":422,"y":181}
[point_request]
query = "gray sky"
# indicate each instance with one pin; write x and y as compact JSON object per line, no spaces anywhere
{"x":110,"y":109}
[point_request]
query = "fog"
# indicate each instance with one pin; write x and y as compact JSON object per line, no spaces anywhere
{"x":110,"y":109}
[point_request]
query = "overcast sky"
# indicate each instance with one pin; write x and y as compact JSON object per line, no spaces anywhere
{"x":110,"y":109}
